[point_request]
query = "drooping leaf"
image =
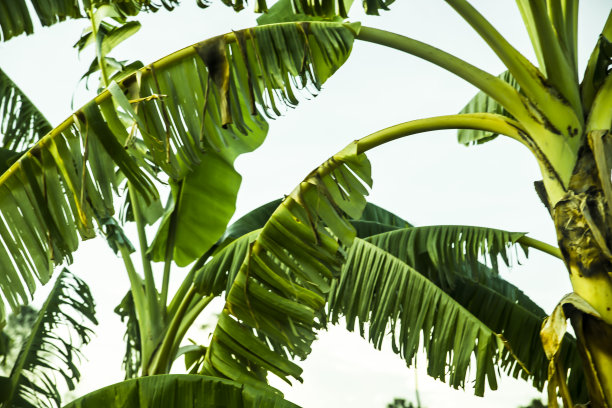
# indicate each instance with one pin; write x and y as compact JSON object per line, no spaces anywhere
{"x":258,"y":217}
{"x":378,"y":290}
{"x":229,"y":252}
{"x":21,"y":123}
{"x":180,"y":391}
{"x":508,"y":310}
{"x":483,"y":103}
{"x":445,"y":251}
{"x":511,"y":313}
{"x":47,"y":354}
{"x":281,"y":286}
{"x":265,"y":67}
{"x":168,"y":116}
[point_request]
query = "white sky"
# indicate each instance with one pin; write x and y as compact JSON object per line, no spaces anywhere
{"x":427,"y":179}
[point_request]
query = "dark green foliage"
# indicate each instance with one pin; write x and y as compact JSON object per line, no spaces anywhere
{"x":48,"y":353}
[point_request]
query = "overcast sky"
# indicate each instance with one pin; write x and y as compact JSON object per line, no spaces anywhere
{"x":427,"y":179}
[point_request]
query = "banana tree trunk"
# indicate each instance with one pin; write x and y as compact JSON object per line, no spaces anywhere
{"x":584,"y":231}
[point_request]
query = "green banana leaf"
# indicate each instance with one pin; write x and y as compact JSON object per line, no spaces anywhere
{"x":46,"y":355}
{"x":508,"y":310}
{"x":282,"y":284}
{"x":180,"y":391}
{"x":262,"y":67}
{"x":195,"y":111}
{"x":229,"y":252}
{"x":389,"y":296}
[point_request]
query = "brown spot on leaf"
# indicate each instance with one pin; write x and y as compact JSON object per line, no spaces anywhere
{"x":214,"y":57}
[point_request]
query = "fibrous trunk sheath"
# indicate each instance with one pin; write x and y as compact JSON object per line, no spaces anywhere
{"x":584,"y":231}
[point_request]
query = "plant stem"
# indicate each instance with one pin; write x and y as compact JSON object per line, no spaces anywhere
{"x":555,"y":150}
{"x":193,"y":312}
{"x":499,"y":90}
{"x":176,"y":330}
{"x":149,"y":281}
{"x":532,"y":83}
{"x":140,"y":304}
{"x":184,"y":288}
{"x":163,"y":297}
{"x":170,"y":249}
{"x":540,"y":246}
{"x":135,"y":284}
{"x":480,"y":121}
{"x":524,"y":7}
{"x":570,"y":17}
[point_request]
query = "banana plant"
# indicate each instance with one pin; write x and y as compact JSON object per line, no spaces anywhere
{"x":565,"y":123}
{"x":562,"y":122}
{"x":184,"y":119}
